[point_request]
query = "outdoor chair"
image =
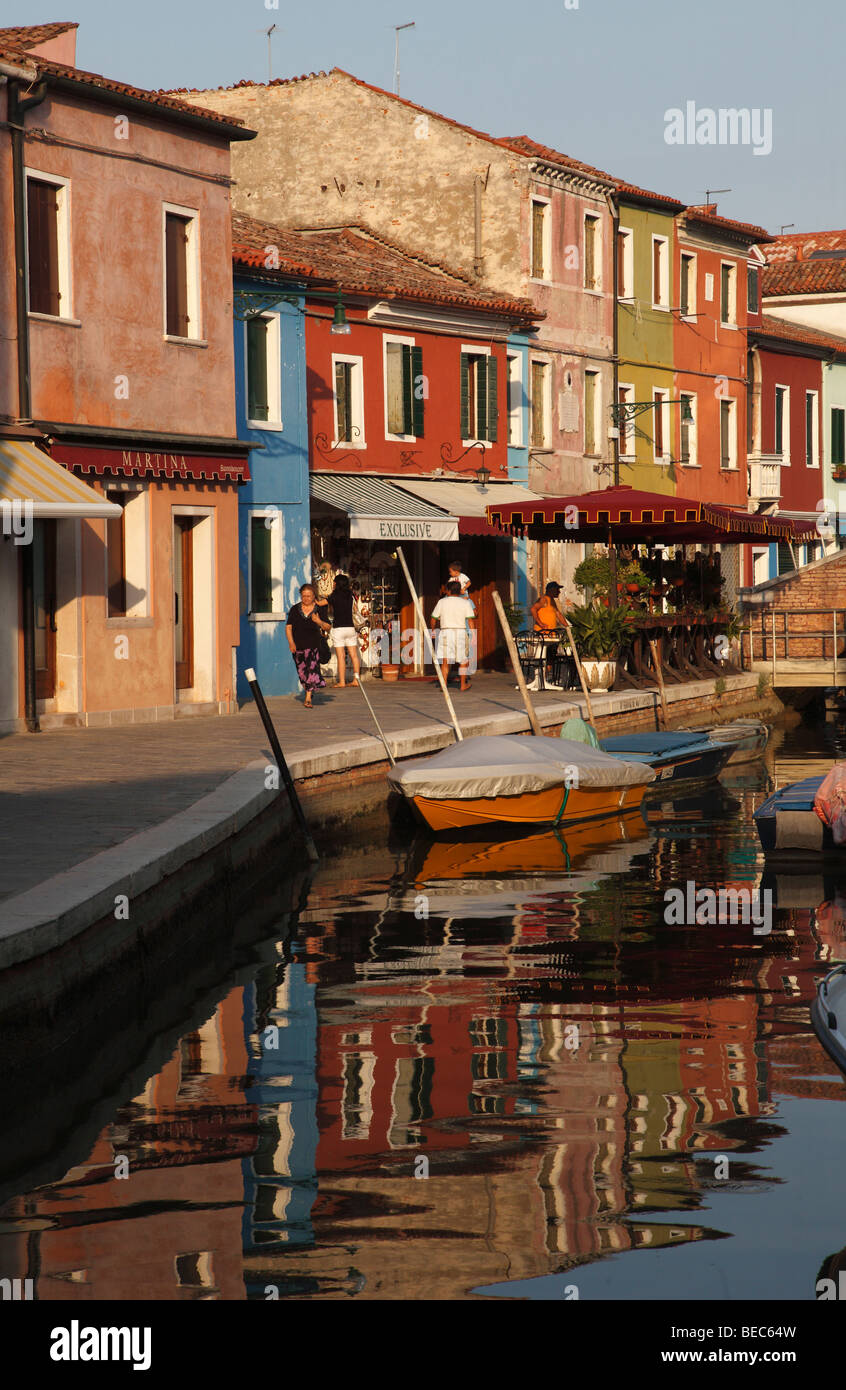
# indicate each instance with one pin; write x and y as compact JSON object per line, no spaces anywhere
{"x":531,"y":649}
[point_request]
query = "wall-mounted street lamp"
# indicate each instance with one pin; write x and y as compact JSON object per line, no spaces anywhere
{"x":251,"y":304}
{"x":483,"y":475}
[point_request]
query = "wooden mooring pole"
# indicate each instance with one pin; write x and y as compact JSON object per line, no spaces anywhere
{"x":296,"y":807}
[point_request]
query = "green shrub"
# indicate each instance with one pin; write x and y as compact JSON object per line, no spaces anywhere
{"x":719,"y":686}
{"x":599,"y":631}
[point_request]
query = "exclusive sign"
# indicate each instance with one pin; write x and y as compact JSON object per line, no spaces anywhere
{"x":403,"y":528}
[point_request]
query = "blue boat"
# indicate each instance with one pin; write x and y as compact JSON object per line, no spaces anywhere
{"x":789,"y":827}
{"x":676,"y":755}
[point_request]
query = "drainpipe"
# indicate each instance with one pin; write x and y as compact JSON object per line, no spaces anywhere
{"x":478,"y":185}
{"x":18,"y":104}
{"x":615,"y":225}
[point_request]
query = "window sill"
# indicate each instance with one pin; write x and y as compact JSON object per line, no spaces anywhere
{"x":664,"y":308}
{"x":729,"y":468}
{"x":266,"y":617}
{"x":186,"y":342}
{"x":275,"y":425}
{"x":400,"y":438}
{"x":348,"y":444}
{"x":682,"y":464}
{"x":733,"y":326}
{"x":54,"y":318}
{"x":591,"y":289}
{"x":136,"y":620}
{"x":471,"y":443}
{"x":540,"y":280}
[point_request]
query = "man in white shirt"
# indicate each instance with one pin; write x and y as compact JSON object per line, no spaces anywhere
{"x":457,"y":618}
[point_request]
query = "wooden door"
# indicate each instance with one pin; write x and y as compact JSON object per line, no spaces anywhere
{"x":489,"y":569}
{"x":183,"y":600}
{"x":44,"y":593}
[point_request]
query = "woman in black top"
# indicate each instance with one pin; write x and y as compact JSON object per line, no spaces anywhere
{"x":343,"y":629}
{"x":308,"y":620}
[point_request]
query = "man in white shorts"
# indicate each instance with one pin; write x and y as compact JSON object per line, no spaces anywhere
{"x":457,"y":618}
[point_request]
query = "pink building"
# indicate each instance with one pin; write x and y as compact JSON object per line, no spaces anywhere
{"x":116,"y":386}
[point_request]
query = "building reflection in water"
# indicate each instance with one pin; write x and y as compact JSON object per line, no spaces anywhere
{"x":470,"y":1066}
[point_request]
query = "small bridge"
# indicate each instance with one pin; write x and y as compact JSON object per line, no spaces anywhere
{"x":796,"y":646}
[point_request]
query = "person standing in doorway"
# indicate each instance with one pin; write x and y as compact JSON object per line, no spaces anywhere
{"x":457,"y":618}
{"x":344,"y":638}
{"x":306,"y":628}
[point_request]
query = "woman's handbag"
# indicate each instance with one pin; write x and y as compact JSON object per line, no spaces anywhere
{"x":323,"y":650}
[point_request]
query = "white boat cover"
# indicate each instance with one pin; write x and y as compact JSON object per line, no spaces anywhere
{"x":511,"y":764}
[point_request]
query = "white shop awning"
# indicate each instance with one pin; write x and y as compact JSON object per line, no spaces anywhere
{"x":28,"y":476}
{"x":380,"y":511}
{"x":467,"y":501}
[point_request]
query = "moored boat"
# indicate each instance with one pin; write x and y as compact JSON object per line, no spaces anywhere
{"x":676,"y":755}
{"x":828,"y":1014}
{"x":519,"y":779}
{"x":789,"y":827}
{"x":748,"y":738}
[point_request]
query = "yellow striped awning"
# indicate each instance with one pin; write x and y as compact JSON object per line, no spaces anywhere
{"x":28,"y":475}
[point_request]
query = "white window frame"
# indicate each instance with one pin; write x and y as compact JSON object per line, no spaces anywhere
{"x":597,"y":415}
{"x":664,"y":287}
{"x":732,"y":402}
{"x":63,"y":240}
{"x":815,"y":431}
{"x":693,"y":434}
{"x":627,"y":433}
{"x":760,"y":552}
{"x":514,"y":385}
{"x":274,"y":374}
{"x":731,"y":321}
{"x":628,"y":262}
{"x":547,"y":401}
{"x":546,"y":204}
{"x":693,"y":280}
{"x":785,"y":421}
{"x":136,"y":550}
{"x":398,"y":342}
{"x":357,"y":396}
{"x":192,"y":274}
{"x":475,"y":350}
{"x":277,"y":561}
{"x":661,"y":394}
{"x":598,"y":251}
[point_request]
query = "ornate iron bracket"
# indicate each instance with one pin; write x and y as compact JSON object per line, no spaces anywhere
{"x":629,"y":410}
{"x":250,"y":304}
{"x":329,"y":452}
{"x":446,"y":452}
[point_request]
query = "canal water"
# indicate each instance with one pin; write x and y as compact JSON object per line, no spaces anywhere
{"x":492,"y":1069}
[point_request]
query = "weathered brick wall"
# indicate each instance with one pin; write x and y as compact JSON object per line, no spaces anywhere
{"x":819,"y":585}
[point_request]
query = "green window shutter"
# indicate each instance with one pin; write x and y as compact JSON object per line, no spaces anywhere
{"x":257,"y":395}
{"x":261,"y":572}
{"x":481,"y":398}
{"x":407,"y":392}
{"x":838,"y":435}
{"x":465,"y":395}
{"x":785,"y":558}
{"x":492,"y":411}
{"x":417,"y":392}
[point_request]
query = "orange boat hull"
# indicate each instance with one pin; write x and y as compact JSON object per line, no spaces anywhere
{"x":530,"y":808}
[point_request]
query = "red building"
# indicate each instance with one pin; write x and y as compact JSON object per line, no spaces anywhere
{"x":716,"y":287}
{"x":407,"y":415}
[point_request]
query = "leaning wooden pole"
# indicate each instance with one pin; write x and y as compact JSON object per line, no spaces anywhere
{"x":428,"y":640}
{"x":659,"y":676}
{"x":515,"y":662}
{"x":581,"y":673}
{"x":296,"y":807}
{"x":391,"y":759}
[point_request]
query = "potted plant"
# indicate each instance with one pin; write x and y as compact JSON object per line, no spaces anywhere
{"x":598,"y":633}
{"x":838,"y":472}
{"x":594,"y":573}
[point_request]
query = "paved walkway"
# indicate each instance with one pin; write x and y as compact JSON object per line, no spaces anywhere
{"x":67,"y":794}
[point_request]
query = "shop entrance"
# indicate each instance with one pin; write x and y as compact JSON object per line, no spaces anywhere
{"x":44,"y":591}
{"x":183,"y":600}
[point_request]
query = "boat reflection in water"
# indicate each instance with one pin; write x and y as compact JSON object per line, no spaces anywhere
{"x":479,"y":1065}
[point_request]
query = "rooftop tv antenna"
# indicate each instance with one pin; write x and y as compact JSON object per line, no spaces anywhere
{"x":786,"y":228}
{"x":709,"y":191}
{"x":397,"y":28}
{"x":269,"y":33}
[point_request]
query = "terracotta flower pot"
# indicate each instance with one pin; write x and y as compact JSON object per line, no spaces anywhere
{"x":390,"y":672}
{"x":633,"y":588}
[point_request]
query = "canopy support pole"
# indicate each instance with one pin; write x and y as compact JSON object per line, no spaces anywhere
{"x":428,"y":639}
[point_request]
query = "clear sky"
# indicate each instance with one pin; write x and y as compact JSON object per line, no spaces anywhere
{"x":594,"y":81}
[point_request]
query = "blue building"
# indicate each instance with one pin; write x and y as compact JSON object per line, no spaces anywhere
{"x":274,"y":518}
